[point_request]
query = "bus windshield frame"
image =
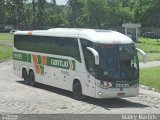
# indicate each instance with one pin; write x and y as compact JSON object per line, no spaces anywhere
{"x":117,"y":63}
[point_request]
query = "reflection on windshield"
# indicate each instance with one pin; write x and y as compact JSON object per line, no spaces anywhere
{"x":128,"y":61}
{"x":108,"y":61}
{"x":117,"y":62}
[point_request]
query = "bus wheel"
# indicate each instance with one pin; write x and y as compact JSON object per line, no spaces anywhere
{"x":31,"y":78}
{"x":77,"y":91}
{"x":25,"y":76}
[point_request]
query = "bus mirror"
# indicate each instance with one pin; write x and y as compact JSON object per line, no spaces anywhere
{"x":95,"y":53}
{"x":143,"y":54}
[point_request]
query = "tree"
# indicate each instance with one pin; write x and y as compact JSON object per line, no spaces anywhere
{"x":53,"y":3}
{"x":34,"y":11}
{"x":80,"y":13}
{"x":2,"y":4}
{"x":41,"y":13}
{"x":147,"y":12}
{"x":75,"y":9}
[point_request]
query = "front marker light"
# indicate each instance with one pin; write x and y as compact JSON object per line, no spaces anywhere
{"x":107,"y":84}
{"x":100,"y":94}
{"x":104,"y":84}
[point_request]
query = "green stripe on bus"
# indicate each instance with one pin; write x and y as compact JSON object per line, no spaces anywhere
{"x":22,"y":57}
{"x":29,"y":58}
{"x":51,"y":61}
{"x":60,"y":63}
{"x":42,"y":69}
{"x":39,"y":59}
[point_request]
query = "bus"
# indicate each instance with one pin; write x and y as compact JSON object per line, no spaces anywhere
{"x":88,"y":62}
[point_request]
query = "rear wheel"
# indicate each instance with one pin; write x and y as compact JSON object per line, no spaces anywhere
{"x":25,"y":76}
{"x":77,"y":91}
{"x":32,"y":79}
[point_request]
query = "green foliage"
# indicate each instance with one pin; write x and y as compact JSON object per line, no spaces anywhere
{"x":151,"y":47}
{"x":150,"y":77}
{"x":147,"y":12}
{"x":92,"y":7}
{"x":79,"y":13}
{"x":97,"y":13}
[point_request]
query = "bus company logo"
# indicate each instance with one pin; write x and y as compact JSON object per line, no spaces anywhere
{"x":61,"y":63}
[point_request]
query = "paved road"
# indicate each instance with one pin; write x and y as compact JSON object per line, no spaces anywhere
{"x":149,"y":64}
{"x":15,"y":97}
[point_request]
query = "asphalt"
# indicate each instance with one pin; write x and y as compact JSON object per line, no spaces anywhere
{"x":150,"y":64}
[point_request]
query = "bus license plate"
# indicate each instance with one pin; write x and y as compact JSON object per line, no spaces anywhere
{"x":122,"y":85}
{"x":120,"y":94}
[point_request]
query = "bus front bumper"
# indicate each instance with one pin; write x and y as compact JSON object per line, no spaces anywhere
{"x":116,"y":92}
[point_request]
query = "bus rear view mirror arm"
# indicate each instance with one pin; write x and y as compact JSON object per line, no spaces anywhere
{"x":143,"y":54}
{"x":95,"y":53}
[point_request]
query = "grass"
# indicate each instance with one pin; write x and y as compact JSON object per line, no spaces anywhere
{"x":5,"y":45}
{"x":150,"y":77}
{"x":151,"y":47}
{"x":6,"y":36}
{"x":5,"y":51}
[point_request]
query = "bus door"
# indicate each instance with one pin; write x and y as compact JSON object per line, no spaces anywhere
{"x":89,"y":64}
{"x":89,"y":85}
{"x":90,"y":74}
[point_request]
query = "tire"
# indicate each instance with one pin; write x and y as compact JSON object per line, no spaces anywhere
{"x":32,"y":79}
{"x":25,"y":76}
{"x":77,"y":91}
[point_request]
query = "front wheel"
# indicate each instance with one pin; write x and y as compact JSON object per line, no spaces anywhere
{"x":77,"y":91}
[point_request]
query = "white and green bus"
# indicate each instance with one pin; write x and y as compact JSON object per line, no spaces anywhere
{"x":88,"y":62}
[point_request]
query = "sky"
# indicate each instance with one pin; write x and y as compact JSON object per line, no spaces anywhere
{"x":61,"y":2}
{"x":58,"y":2}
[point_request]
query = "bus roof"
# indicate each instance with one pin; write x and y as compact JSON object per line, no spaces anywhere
{"x":94,"y":35}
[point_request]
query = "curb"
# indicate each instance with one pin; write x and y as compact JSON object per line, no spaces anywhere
{"x":3,"y":60}
{"x":149,"y":88}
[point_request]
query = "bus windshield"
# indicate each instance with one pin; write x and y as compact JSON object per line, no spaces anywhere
{"x":117,"y":63}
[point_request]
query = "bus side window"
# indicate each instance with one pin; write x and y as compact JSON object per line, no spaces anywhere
{"x":88,"y":56}
{"x":20,"y":42}
{"x":72,"y":49}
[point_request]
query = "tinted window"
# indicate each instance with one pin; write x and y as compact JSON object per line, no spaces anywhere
{"x":88,"y":56}
{"x":108,"y":68}
{"x":51,"y":45}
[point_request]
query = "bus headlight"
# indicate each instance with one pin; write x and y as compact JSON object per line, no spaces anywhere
{"x":99,"y":93}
